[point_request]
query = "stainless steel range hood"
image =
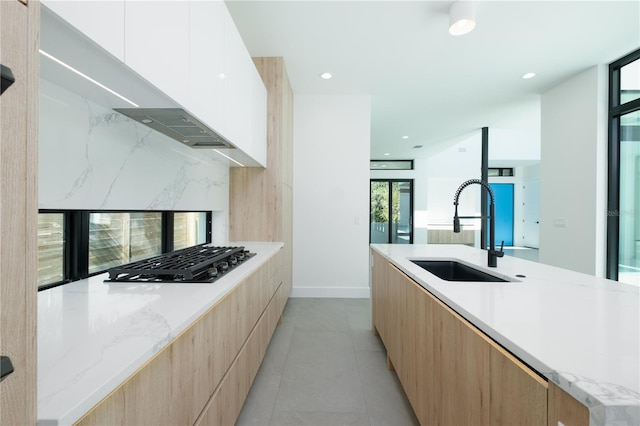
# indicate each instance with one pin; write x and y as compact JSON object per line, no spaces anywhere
{"x":178,"y":124}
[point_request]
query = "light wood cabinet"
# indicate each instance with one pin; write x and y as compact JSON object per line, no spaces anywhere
{"x":563,"y":408}
{"x":19,"y":41}
{"x":451,"y":372}
{"x":212,"y":363}
{"x":518,"y":394}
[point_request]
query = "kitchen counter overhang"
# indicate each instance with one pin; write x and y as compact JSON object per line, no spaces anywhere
{"x":580,"y":332}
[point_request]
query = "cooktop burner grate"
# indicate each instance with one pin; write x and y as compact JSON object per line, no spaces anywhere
{"x":199,"y":263}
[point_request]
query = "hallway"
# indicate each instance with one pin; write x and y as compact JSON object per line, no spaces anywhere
{"x":325,"y":367}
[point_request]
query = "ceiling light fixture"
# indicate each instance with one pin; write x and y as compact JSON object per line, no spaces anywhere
{"x":405,"y":137}
{"x":387,"y":153}
{"x":462,"y":17}
{"x":326,"y":75}
{"x":529,"y":75}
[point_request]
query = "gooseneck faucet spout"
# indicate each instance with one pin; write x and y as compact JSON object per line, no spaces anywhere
{"x":493,"y":254}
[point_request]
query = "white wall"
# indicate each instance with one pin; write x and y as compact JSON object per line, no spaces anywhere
{"x":331,"y":196}
{"x":94,"y":158}
{"x":573,"y":173}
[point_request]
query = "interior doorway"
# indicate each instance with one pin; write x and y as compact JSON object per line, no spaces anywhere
{"x":391,"y":211}
{"x":531,"y":213}
{"x":503,"y":193}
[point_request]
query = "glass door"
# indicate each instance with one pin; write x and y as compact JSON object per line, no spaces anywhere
{"x":623,"y":204}
{"x":629,"y":219}
{"x":391,"y":211}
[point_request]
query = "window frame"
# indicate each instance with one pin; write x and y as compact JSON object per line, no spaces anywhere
{"x":616,"y":110}
{"x":76,"y":239}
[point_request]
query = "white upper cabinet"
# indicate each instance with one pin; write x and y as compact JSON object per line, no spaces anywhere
{"x":259,"y":118}
{"x":101,"y":21}
{"x":206,"y":63}
{"x":191,"y":51}
{"x":157,"y":44}
{"x":245,"y":95}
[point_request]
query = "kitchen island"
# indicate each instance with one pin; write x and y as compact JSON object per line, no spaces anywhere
{"x":94,"y":337}
{"x":576,"y":331}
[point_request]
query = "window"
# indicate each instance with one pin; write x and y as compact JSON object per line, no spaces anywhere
{"x":119,"y":238}
{"x":500,"y":171}
{"x":75,"y":244}
{"x":391,"y":165}
{"x":51,"y":244}
{"x":189,"y":229}
{"x":623,"y":216}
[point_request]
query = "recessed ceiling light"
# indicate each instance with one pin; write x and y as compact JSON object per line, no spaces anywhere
{"x":405,"y":137}
{"x":147,"y":120}
{"x":387,"y":153}
{"x":384,"y":165}
{"x":529,"y":75}
{"x":326,"y":75}
{"x":222,"y":76}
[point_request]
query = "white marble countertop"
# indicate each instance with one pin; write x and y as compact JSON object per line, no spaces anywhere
{"x":92,"y":335}
{"x":579,"y":331}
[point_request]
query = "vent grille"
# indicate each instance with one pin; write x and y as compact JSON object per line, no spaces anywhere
{"x":177,"y":124}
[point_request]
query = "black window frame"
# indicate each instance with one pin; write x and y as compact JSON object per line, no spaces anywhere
{"x":76,"y":239}
{"x":616,"y":110}
{"x":411,"y":205}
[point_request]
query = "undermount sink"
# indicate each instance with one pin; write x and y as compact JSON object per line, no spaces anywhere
{"x":450,"y":270}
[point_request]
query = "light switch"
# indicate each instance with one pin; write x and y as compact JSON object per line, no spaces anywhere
{"x":559,"y":222}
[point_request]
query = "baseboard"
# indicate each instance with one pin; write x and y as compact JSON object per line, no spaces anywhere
{"x":331,"y":292}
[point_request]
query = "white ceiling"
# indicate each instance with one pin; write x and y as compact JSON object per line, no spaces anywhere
{"x":425,"y":83}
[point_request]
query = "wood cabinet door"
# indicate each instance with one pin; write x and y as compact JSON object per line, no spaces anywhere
{"x":563,"y":408}
{"x":19,"y":29}
{"x":461,"y":370}
{"x":518,"y":395}
{"x":378,"y":302}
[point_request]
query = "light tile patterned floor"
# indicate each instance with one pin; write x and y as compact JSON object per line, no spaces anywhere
{"x":324,"y":367}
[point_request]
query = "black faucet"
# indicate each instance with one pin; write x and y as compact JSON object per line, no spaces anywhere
{"x":493,"y":254}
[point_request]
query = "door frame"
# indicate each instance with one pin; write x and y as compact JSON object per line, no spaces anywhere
{"x":411,"y":212}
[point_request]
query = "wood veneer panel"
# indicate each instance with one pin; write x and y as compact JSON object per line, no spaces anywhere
{"x":19,"y":30}
{"x":378,"y":301}
{"x":518,"y":395}
{"x":226,"y":403}
{"x":562,"y":407}
{"x":461,"y":370}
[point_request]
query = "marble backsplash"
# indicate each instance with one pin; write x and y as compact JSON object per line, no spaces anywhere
{"x":91,"y":157}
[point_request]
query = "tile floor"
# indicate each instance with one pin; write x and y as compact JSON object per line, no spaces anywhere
{"x":324,"y":367}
